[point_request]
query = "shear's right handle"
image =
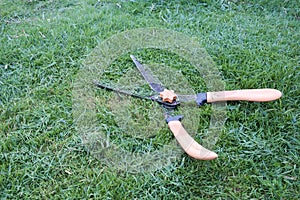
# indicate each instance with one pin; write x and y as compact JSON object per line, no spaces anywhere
{"x":256,"y":95}
{"x":189,"y":145}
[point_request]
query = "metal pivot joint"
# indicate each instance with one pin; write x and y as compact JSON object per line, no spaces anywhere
{"x":165,"y":104}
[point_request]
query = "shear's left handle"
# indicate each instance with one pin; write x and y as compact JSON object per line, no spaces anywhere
{"x":189,"y":145}
{"x":254,"y":95}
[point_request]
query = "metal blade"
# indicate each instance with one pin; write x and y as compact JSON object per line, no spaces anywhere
{"x":152,"y":98}
{"x":153,"y":82}
{"x":103,"y":86}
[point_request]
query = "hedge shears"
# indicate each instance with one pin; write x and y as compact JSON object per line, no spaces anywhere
{"x":170,"y":101}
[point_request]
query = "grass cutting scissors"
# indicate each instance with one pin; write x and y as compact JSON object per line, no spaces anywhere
{"x":170,"y":101}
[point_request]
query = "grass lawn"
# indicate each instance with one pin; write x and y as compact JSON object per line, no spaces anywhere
{"x":44,"y":44}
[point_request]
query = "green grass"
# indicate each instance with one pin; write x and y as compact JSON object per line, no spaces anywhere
{"x":255,"y":44}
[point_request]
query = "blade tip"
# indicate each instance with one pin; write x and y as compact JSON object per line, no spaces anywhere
{"x":132,"y":57}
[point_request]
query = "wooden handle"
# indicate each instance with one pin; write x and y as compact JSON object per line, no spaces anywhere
{"x":258,"y":95}
{"x":189,"y":145}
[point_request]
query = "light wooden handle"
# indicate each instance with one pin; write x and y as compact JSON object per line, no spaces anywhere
{"x":189,"y":145}
{"x":258,"y":95}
